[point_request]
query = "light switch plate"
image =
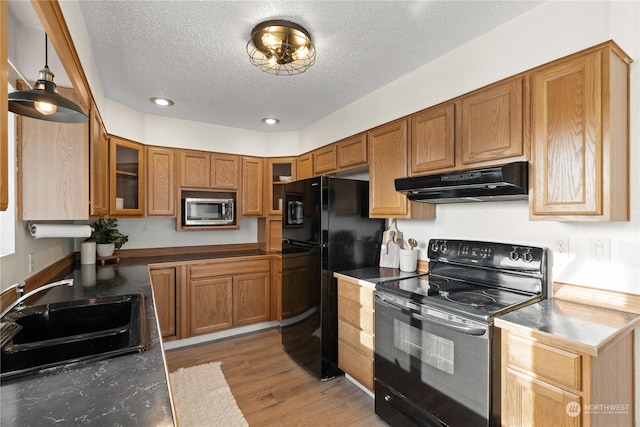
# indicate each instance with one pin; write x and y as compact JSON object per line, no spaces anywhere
{"x":600,"y":248}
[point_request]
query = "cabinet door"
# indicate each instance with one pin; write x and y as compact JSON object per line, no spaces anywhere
{"x":53,"y":165}
{"x":352,"y":152}
{"x":252,"y":178}
{"x":528,"y":401}
{"x":195,"y":169}
{"x":163,"y":281}
{"x":251,"y":298}
{"x":491,"y":123}
{"x":225,"y":171}
{"x":388,"y":161}
{"x":566,"y":137}
{"x":98,"y":166}
{"x":433,"y":140}
{"x":126,"y":177}
{"x":160,"y":181}
{"x":325,"y":160}
{"x":210,"y":305}
{"x":305,"y":166}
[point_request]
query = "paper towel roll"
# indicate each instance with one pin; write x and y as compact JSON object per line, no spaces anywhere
{"x":39,"y":231}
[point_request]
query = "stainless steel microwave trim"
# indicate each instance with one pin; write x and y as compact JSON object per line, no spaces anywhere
{"x":227,"y":207}
{"x":499,"y":183}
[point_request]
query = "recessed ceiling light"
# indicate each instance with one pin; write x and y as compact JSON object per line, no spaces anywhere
{"x":270,"y":121}
{"x":165,"y":102}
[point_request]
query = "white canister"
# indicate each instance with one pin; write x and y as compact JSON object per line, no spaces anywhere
{"x":88,"y":252}
{"x":408,"y":260}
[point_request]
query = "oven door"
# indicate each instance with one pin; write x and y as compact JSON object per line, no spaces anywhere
{"x":429,"y":369}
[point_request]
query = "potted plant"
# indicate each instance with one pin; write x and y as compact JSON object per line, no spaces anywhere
{"x":107,"y":236}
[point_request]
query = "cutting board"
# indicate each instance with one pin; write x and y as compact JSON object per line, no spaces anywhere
{"x":389,"y":250}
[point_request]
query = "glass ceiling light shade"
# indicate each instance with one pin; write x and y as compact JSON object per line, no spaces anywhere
{"x":43,"y":101}
{"x":281,"y":47}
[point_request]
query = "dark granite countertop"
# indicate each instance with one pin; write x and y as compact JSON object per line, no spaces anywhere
{"x":129,"y":390}
{"x":371,"y":275}
{"x":578,"y":326}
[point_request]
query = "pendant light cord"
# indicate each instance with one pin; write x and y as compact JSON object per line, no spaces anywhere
{"x":46,"y":51}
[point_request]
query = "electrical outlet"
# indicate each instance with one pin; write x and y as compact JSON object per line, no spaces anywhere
{"x":561,"y":244}
{"x":600,"y":248}
{"x":31,"y":262}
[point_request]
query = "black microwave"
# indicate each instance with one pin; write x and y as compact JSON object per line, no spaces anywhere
{"x":204,"y":211}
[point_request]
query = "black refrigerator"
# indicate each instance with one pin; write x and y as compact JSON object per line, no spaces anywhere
{"x":325,"y":228}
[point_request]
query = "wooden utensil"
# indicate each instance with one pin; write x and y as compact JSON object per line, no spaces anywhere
{"x":413,"y":243}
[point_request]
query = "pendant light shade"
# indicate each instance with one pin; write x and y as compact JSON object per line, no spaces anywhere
{"x":44,"y":102}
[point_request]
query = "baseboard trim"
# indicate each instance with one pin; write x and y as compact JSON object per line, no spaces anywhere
{"x":360,"y":386}
{"x":215,"y":336}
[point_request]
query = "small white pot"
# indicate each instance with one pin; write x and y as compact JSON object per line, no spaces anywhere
{"x":105,"y":249}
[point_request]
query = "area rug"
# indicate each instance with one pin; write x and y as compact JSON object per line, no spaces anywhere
{"x":202,"y":397}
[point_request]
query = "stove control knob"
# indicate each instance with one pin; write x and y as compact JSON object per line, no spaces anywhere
{"x":514,"y":255}
{"x":434,"y":246}
{"x":527,"y":256}
{"x":444,"y":248}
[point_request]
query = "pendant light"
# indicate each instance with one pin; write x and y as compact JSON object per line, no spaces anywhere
{"x":281,"y":47}
{"x":43,"y":101}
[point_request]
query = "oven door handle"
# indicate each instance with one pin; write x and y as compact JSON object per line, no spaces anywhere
{"x":467,"y":330}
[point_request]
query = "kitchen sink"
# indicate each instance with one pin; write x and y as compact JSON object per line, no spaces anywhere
{"x":67,"y":332}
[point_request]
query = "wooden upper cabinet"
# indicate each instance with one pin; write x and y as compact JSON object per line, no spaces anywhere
{"x":433,"y":140}
{"x":53,"y":164}
{"x":491,"y":124}
{"x":195,"y":169}
{"x":275,"y":167}
{"x":252,"y":186}
{"x":160,"y":181}
{"x":352,"y":152}
{"x":305,"y":166}
{"x":225,"y":171}
{"x":579,"y":127}
{"x":98,"y":165}
{"x":388,"y":154}
{"x":126,"y":177}
{"x":201,"y":169}
{"x":325,"y":160}
{"x":4,"y":111}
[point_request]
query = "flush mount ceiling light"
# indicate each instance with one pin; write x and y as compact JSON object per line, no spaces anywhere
{"x":164,"y":102}
{"x":281,"y":47}
{"x":270,"y":121}
{"x":43,"y":101}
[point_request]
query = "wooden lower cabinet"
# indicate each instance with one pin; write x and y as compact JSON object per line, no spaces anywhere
{"x":551,"y":384}
{"x":356,"y":331}
{"x":228,"y":293}
{"x":163,"y":281}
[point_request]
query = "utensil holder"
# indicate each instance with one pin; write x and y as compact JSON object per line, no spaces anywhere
{"x":408,"y":260}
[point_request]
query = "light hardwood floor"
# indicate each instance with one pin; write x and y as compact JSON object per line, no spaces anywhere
{"x":272,"y":390}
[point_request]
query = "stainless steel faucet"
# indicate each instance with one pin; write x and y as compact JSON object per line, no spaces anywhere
{"x":23,"y":297}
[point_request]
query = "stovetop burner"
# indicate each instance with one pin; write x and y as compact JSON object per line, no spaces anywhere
{"x":470,"y":298}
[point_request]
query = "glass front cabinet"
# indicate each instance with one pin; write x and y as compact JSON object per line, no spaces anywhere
{"x":126,"y":177}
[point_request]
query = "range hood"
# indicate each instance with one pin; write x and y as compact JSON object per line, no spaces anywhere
{"x":506,"y":182}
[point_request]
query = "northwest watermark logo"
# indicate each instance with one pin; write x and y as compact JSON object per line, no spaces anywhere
{"x":574,"y":409}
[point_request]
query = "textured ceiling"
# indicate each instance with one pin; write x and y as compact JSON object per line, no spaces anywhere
{"x":194,"y":53}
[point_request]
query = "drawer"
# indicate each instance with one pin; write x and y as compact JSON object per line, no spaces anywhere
{"x":356,"y":293}
{"x":355,"y":364}
{"x":356,"y":315}
{"x":556,"y":365}
{"x":360,"y":340}
{"x":229,"y":268}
